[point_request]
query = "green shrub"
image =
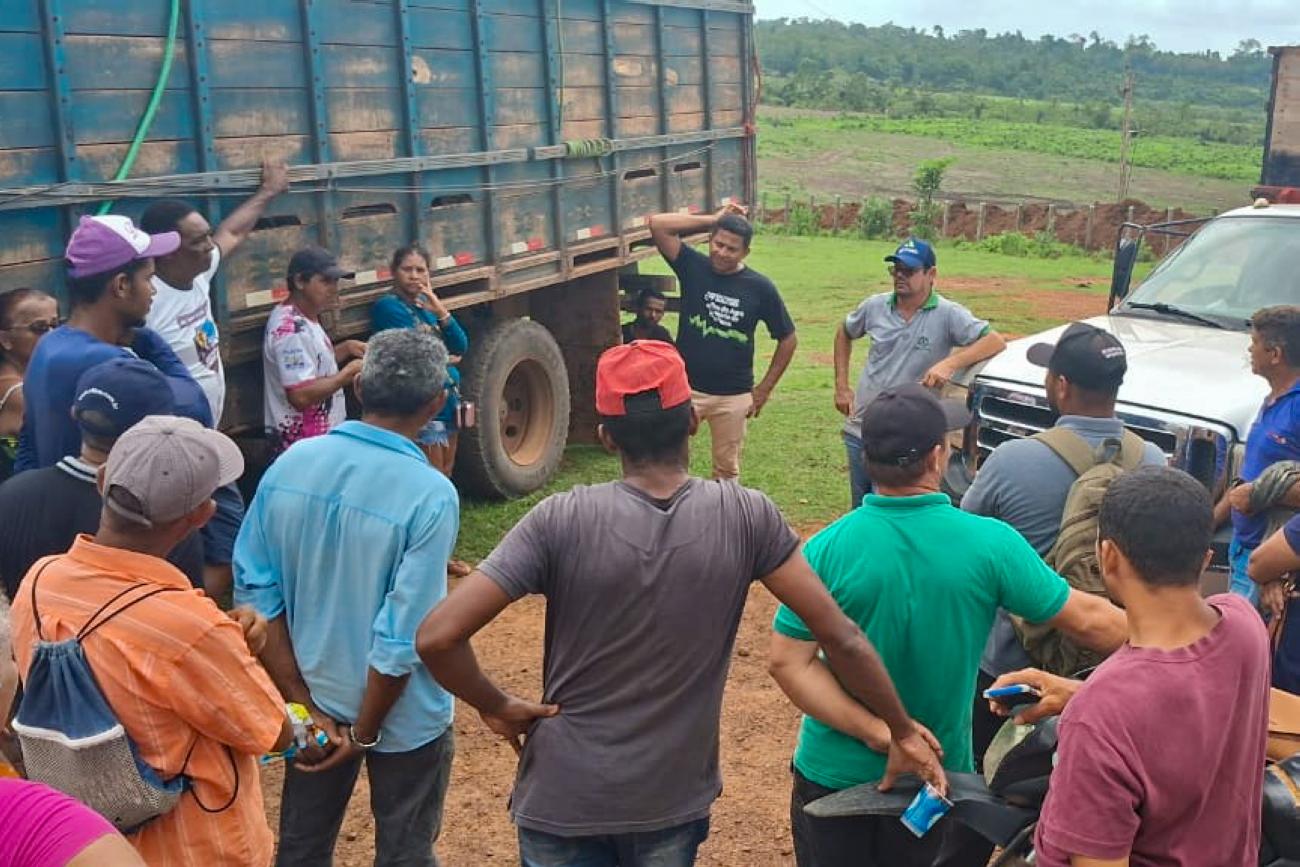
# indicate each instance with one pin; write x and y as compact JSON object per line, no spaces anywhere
{"x":800,"y":220}
{"x":1007,"y":243}
{"x":1041,"y":246}
{"x":924,"y":220}
{"x":876,"y":219}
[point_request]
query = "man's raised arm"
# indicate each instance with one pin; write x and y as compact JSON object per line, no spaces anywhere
{"x":666,"y":229}
{"x":236,"y":227}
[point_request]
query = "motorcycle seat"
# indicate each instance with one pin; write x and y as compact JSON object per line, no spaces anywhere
{"x":973,"y":805}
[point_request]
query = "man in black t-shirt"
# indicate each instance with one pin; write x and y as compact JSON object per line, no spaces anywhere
{"x":722,"y":303}
{"x":42,"y":511}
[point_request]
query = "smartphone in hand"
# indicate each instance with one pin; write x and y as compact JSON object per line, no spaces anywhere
{"x":1013,"y":694}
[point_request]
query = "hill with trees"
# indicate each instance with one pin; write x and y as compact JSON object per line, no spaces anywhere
{"x":1075,"y":80}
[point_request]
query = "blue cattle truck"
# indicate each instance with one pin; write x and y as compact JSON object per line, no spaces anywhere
{"x":523,"y":142}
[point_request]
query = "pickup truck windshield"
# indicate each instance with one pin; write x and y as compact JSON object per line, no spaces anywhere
{"x":1225,"y":272}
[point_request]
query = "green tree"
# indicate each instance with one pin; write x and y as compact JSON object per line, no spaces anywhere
{"x":926,"y":182}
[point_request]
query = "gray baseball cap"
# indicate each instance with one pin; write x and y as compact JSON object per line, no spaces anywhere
{"x":165,"y":467}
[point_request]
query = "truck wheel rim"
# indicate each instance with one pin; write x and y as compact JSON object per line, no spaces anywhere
{"x":526,"y":414}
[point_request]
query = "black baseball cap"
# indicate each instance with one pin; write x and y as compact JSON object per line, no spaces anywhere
{"x":317,"y":260}
{"x":903,"y":424}
{"x":1086,"y":355}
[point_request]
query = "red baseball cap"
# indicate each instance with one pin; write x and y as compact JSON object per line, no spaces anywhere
{"x":637,"y":367}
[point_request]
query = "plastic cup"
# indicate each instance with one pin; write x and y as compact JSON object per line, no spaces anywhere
{"x":926,"y":808}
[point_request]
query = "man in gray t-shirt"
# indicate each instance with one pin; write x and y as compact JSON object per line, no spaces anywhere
{"x":645,"y":580}
{"x":913,"y":332}
{"x":1024,"y":483}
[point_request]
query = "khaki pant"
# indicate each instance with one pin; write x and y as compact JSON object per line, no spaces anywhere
{"x":726,"y":417}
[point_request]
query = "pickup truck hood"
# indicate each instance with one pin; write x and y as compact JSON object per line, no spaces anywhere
{"x":1180,"y":368}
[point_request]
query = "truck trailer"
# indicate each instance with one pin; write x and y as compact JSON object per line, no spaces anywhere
{"x":523,"y":142}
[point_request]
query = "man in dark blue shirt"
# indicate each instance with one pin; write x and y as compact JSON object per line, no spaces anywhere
{"x":1275,"y":434}
{"x":110,"y":266}
{"x":1275,"y":566}
{"x":43,"y":511}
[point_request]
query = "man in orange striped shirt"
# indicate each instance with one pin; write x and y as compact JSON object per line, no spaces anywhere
{"x":176,"y":671}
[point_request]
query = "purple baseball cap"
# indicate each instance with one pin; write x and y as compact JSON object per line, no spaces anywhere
{"x":103,"y":244}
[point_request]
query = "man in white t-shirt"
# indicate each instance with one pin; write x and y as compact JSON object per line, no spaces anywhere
{"x":303,"y":385}
{"x":182,"y":304}
{"x":182,"y":314}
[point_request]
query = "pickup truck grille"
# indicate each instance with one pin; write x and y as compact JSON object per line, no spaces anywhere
{"x":1003,"y":414}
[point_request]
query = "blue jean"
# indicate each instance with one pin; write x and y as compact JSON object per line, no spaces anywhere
{"x":859,"y":484}
{"x":1238,"y":557}
{"x":220,"y":532}
{"x":670,"y":847}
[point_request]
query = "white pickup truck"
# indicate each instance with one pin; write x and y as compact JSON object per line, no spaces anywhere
{"x":1189,"y":388}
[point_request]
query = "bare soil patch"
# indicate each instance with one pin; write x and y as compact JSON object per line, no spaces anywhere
{"x":750,"y":824}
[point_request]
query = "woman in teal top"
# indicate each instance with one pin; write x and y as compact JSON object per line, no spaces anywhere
{"x":413,"y":304}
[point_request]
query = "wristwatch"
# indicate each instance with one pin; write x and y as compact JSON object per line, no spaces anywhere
{"x":362,"y":745}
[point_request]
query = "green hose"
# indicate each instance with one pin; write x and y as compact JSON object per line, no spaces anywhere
{"x":587,"y":147}
{"x":146,"y":120}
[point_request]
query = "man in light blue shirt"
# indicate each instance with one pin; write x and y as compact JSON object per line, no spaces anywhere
{"x":344,"y":551}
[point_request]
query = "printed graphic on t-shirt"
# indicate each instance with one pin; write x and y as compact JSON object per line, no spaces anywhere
{"x":197,"y":321}
{"x":293,"y":358}
{"x":311,"y":422}
{"x":205,"y":341}
{"x":723,"y":311}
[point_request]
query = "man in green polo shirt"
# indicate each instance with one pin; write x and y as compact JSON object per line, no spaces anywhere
{"x":923,"y":580}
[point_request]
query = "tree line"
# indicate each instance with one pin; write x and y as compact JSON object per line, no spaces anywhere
{"x":1074,"y":80}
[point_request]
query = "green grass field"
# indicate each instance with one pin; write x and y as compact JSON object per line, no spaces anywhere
{"x":794,"y":451}
{"x":1182,"y":155}
{"x":803,"y":152}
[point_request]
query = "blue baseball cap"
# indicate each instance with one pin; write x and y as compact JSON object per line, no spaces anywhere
{"x":114,"y":395}
{"x":914,"y":253}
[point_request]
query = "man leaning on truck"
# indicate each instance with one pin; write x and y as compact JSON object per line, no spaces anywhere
{"x":182,"y":315}
{"x":722,"y":303}
{"x":914,"y":332}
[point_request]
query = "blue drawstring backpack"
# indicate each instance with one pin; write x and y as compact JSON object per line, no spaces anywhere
{"x":70,"y":737}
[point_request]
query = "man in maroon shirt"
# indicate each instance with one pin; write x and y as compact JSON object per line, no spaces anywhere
{"x":1161,"y":755}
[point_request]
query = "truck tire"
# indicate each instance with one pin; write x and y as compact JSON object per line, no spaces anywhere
{"x":516,"y":376}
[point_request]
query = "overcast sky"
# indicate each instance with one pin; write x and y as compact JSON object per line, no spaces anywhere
{"x":1186,"y":25}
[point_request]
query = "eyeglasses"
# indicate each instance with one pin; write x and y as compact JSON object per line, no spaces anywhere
{"x":38,"y":326}
{"x":902,"y":271}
